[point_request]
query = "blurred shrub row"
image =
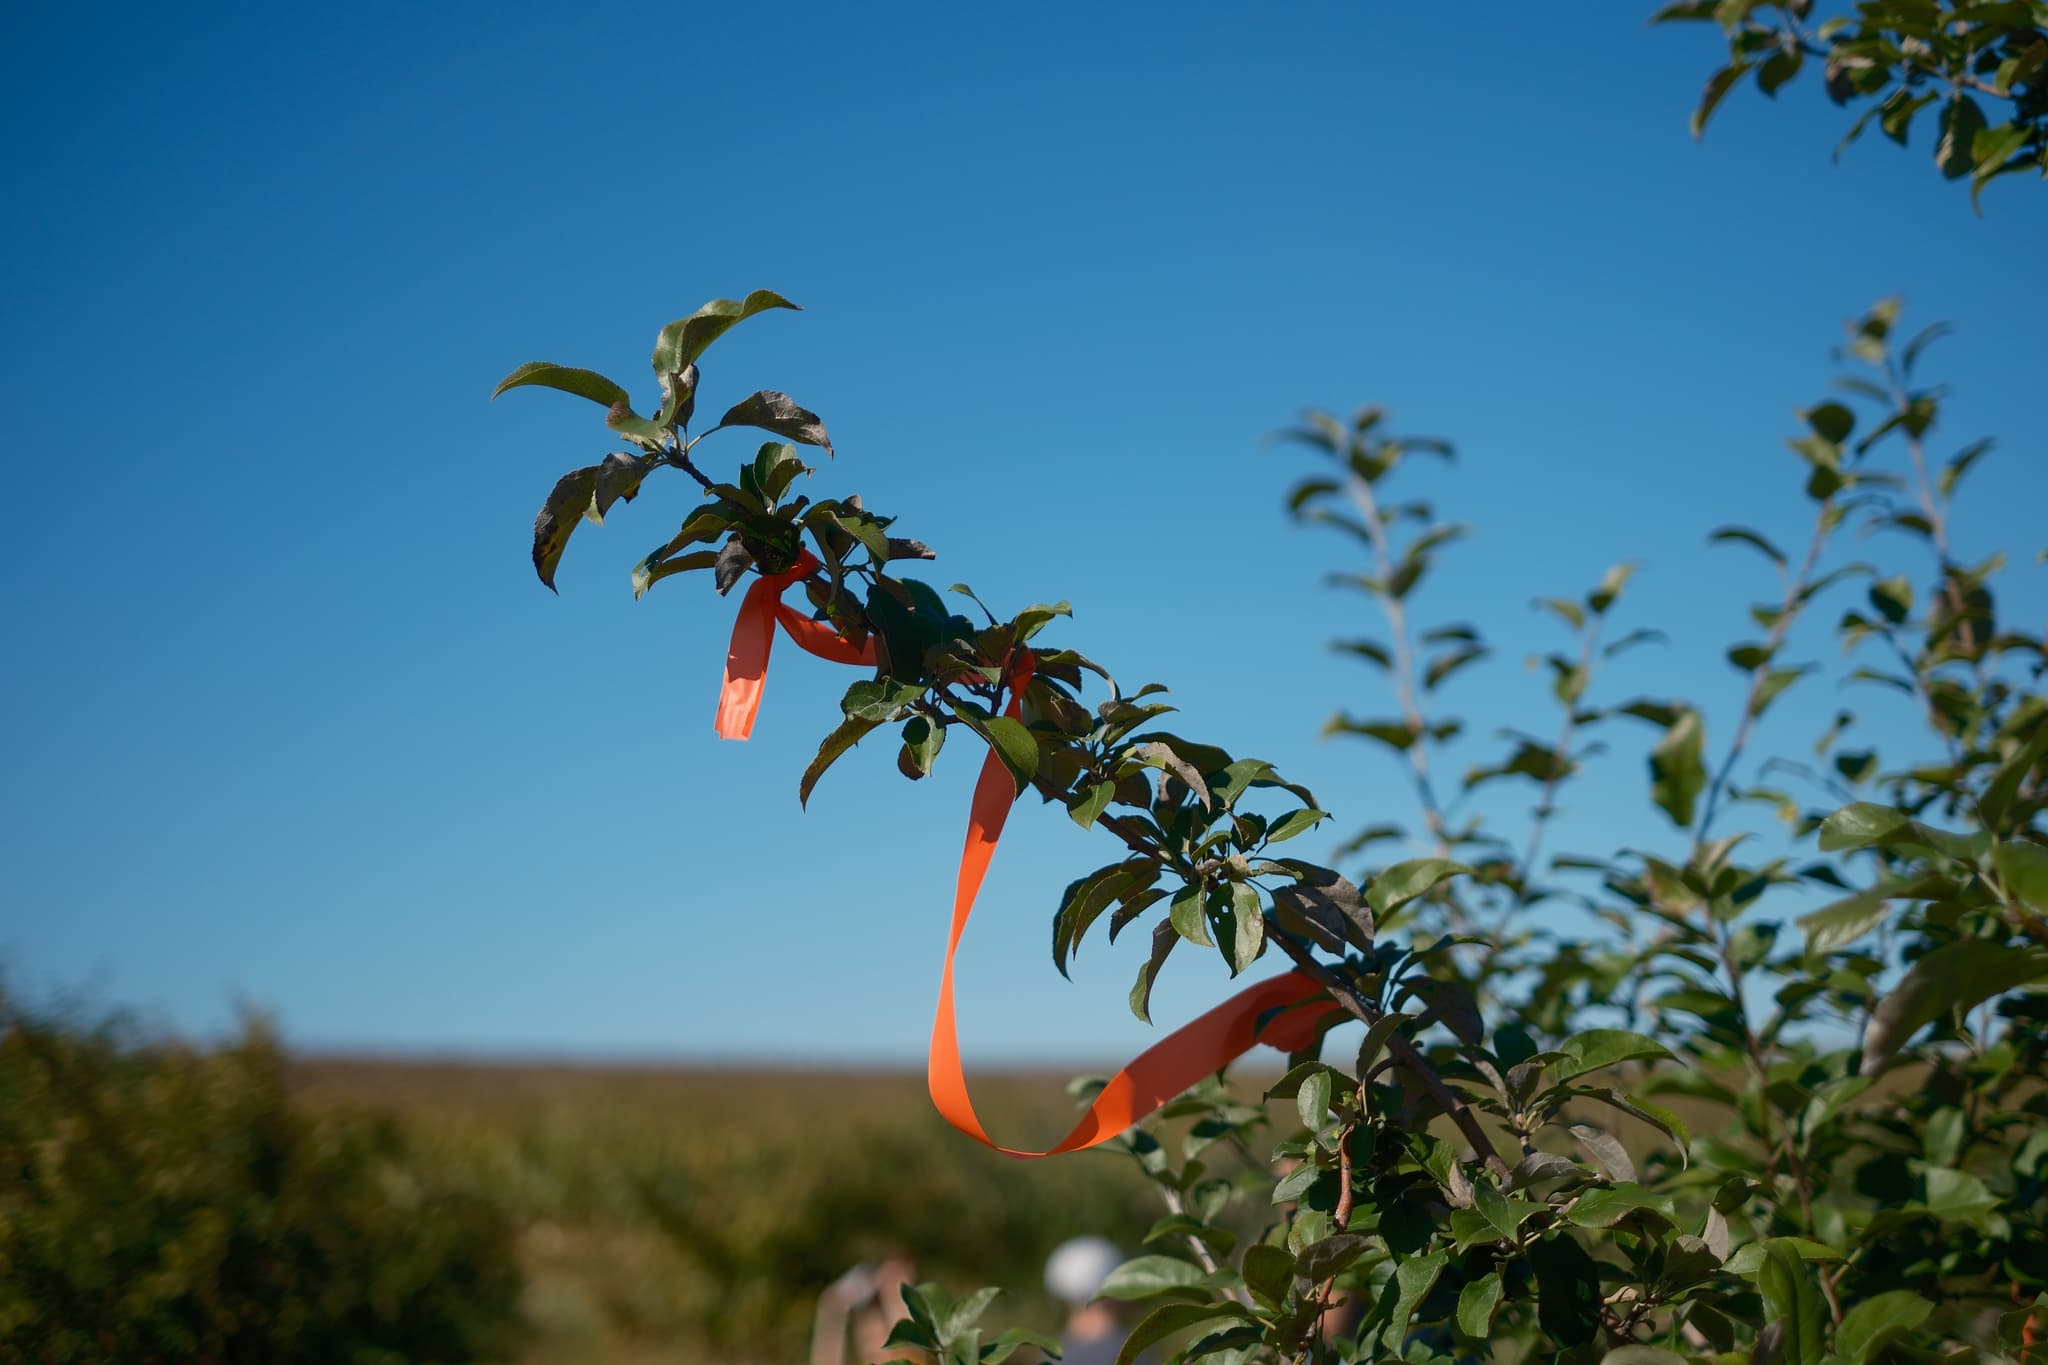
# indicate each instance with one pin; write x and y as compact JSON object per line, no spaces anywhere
{"x":159,"y":1203}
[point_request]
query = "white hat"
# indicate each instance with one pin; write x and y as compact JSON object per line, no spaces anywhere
{"x":1078,"y":1266}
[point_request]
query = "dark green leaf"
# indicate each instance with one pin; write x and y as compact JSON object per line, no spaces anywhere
{"x":583,"y":383}
{"x":1875,"y":1320}
{"x":1603,"y":1047}
{"x":923,"y":737}
{"x":878,"y":700}
{"x":1567,"y":1290}
{"x":1411,"y":1283}
{"x":1293,"y":823}
{"x":1961,"y":121}
{"x":1403,"y":882}
{"x":1718,"y":86}
{"x":559,"y":515}
{"x":2023,"y":869}
{"x":1268,"y":1271}
{"x":1172,"y":1319}
{"x":1604,"y":1207}
{"x":618,"y":480}
{"x":1655,"y":1115}
{"x":1677,"y":770}
{"x":838,"y":742}
{"x":777,"y":412}
{"x":683,"y":341}
{"x":1957,"y":975}
{"x":1090,"y":801}
{"x":1792,"y":1298}
{"x":1841,"y":923}
{"x":1163,"y":939}
{"x":1749,"y":537}
{"x":731,"y":564}
{"x":1146,"y":1277}
{"x":1858,"y":824}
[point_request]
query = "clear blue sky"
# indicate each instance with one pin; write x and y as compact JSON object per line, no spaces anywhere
{"x":288,"y":719}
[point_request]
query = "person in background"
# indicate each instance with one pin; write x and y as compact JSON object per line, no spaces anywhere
{"x":863,"y":1304}
{"x":1074,"y":1274}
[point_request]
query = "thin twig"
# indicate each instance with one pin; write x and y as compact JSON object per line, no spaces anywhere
{"x":1795,"y":586}
{"x":1404,"y":662}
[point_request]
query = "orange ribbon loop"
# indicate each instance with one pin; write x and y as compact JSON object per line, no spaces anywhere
{"x":753,"y":635}
{"x":1181,"y":1059}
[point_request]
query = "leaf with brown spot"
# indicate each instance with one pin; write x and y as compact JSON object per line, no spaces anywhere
{"x":566,"y":504}
{"x":779,"y":413}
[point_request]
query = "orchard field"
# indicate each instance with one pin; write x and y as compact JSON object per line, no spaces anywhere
{"x":691,"y":1214}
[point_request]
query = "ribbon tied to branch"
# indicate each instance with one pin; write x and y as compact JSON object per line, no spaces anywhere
{"x":1262,"y":1013}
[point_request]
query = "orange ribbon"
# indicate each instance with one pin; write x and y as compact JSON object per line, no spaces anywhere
{"x":1258,"y":1014}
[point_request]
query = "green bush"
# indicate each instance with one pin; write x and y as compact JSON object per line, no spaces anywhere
{"x":164,"y":1203}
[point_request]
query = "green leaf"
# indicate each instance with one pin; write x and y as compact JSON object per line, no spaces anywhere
{"x":1403,"y":882}
{"x":1250,"y":927}
{"x":1012,"y":744}
{"x":1658,"y":1117}
{"x":779,"y":413}
{"x":1185,"y":913}
{"x":648,"y":572}
{"x":1163,"y":939}
{"x":1718,"y":86}
{"x":1749,"y":537}
{"x":1957,"y":1196}
{"x":1476,"y":1305}
{"x":1504,"y":1215}
{"x":1411,"y":1283}
{"x":1957,"y":975}
{"x":1859,"y":824}
{"x":1009,"y":1339}
{"x":1642,"y":1355}
{"x":1678,"y":773}
{"x":1603,"y":1047}
{"x":847,"y":735}
{"x":1611,"y":584}
{"x":1844,"y":921}
{"x":1312,"y":1101}
{"x":1268,"y":1271}
{"x":878,"y":700}
{"x":923,"y":737}
{"x":1146,"y":1277}
{"x":1333,"y":1255}
{"x":1603,"y":1208}
{"x":1090,"y":801}
{"x":1567,"y":1290}
{"x":2023,"y":870}
{"x":1961,"y":121}
{"x":558,"y":519}
{"x":583,"y":383}
{"x":682,"y":341}
{"x":1293,"y":823}
{"x":1172,"y":1319}
{"x":1792,"y":1299}
{"x":622,"y":419}
{"x":1750,"y":1259}
{"x":1871,"y":1323}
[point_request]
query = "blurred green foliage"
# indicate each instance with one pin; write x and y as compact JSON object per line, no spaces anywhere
{"x":684,"y":1215}
{"x":160,"y":1203}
